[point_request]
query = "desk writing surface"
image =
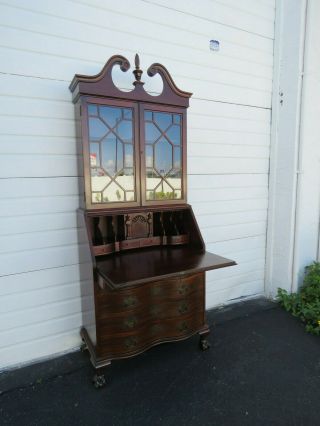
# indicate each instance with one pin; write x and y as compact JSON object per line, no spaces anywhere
{"x":151,"y":264}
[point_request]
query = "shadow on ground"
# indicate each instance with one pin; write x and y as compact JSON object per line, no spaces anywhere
{"x":262,"y":369}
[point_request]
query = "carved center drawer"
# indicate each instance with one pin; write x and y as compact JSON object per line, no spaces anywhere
{"x":178,"y":287}
{"x":144,"y":296}
{"x":123,"y":322}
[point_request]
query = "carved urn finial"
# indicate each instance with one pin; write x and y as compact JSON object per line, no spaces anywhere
{"x":137,"y":72}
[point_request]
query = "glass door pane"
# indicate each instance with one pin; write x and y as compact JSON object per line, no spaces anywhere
{"x":111,"y":150}
{"x":163,"y":155}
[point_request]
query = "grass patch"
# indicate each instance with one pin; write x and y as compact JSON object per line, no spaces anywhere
{"x":305,"y":304}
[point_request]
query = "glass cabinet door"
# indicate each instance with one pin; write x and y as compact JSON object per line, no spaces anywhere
{"x":111,"y":151}
{"x":163,"y":155}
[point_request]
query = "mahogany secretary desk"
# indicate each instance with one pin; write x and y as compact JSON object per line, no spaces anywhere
{"x":148,"y":255}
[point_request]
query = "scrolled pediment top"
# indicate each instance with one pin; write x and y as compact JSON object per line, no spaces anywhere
{"x":157,"y":68}
{"x":101,"y":84}
{"x":106,"y":71}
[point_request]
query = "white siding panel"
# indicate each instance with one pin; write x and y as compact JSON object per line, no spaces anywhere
{"x":32,"y":205}
{"x":38,"y":187}
{"x":48,"y":311}
{"x":216,"y":220}
{"x":227,"y":181}
{"x":39,"y":348}
{"x":21,"y":86}
{"x":207,"y":165}
{"x":43,"y":278}
{"x":240,"y":289}
{"x":37,"y":166}
{"x":216,"y":12}
{"x":41,"y":298}
{"x":40,"y":240}
{"x":12,"y":225}
{"x":213,"y":207}
{"x":34,"y":260}
{"x":205,"y":195}
{"x":238,"y":247}
{"x":137,"y":14}
{"x":44,"y":256}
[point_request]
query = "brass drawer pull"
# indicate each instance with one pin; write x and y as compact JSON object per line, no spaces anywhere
{"x":131,"y":343}
{"x":183,"y":327}
{"x":130,"y":322}
{"x":183,"y":308}
{"x":183,"y":289}
{"x":130,"y":301}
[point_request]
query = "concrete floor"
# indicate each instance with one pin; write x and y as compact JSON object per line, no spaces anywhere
{"x":262,"y":369}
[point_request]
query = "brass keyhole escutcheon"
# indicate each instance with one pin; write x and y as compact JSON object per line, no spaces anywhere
{"x":183,"y":308}
{"x":183,"y":289}
{"x":130,"y":322}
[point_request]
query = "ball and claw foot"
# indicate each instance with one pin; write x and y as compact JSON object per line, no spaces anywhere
{"x":99,"y":381}
{"x":204,"y":344}
{"x":83,"y":347}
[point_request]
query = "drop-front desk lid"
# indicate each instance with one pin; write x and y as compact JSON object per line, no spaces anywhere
{"x":135,"y":267}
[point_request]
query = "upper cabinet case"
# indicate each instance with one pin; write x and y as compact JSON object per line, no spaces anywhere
{"x":134,"y":144}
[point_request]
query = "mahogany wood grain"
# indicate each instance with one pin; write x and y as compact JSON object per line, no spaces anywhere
{"x":150,"y":264}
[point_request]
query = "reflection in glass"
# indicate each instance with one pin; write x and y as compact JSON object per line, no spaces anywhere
{"x":92,"y":109}
{"x":94,"y":155}
{"x":152,"y":133}
{"x":177,"y":118}
{"x":111,"y":154}
{"x":97,"y":129}
{"x":177,"y":158}
{"x":124,"y":131}
{"x":128,"y":155}
{"x":113,"y":193}
{"x":127,"y":113}
{"x":174,"y":134}
{"x":96,"y":197}
{"x":163,"y":148}
{"x":149,"y":156}
{"x":163,"y":156}
{"x":110,"y":115}
{"x":163,"y":119}
{"x":148,"y":115}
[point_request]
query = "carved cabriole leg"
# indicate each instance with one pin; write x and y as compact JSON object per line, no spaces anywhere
{"x":98,"y":380}
{"x":83,"y":346}
{"x":203,"y":342}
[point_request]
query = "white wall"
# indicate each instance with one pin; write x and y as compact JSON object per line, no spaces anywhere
{"x":288,"y":68}
{"x":308,"y":192}
{"x":43,"y":44}
{"x":294,"y":207}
